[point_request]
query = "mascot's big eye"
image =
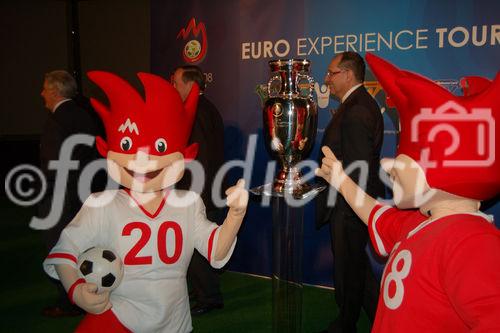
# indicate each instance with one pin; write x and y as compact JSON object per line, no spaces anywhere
{"x":161,"y":145}
{"x":126,"y":143}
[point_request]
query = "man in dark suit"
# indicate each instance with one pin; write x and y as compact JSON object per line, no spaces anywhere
{"x":208,"y":132}
{"x":355,"y":135}
{"x":65,"y":119}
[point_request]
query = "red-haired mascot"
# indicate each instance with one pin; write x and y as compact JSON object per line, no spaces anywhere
{"x":443,"y":268}
{"x":153,"y":228}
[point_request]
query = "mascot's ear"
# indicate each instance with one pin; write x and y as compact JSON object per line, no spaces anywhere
{"x":190,"y":152}
{"x":102,"y":146}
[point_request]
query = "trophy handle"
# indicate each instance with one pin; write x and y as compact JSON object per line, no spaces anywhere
{"x":309,"y":79}
{"x":270,"y":82}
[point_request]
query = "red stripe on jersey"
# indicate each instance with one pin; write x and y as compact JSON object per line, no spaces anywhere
{"x":211,"y":244}
{"x":62,"y":256}
{"x":158,"y":210}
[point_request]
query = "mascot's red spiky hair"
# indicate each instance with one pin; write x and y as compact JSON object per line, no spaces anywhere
{"x":453,"y":138}
{"x":160,"y":124}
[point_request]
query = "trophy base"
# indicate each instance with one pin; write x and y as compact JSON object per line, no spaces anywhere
{"x":302,"y":191}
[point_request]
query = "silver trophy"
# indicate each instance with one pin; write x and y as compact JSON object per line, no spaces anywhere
{"x":290,"y":123}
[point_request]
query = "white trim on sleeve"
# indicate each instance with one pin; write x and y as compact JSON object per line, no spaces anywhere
{"x":378,"y":240}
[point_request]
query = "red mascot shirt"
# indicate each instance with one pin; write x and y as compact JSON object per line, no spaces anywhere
{"x":442,"y":275}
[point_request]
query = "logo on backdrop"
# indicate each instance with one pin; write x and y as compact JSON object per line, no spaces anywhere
{"x":195,"y":38}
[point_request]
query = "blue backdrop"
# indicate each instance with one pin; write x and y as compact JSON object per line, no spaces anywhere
{"x":233,"y":41}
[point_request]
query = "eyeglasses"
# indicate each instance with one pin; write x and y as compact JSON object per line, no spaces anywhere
{"x":332,"y":74}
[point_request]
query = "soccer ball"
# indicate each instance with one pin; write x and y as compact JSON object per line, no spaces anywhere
{"x":102,"y":267}
{"x":192,"y":49}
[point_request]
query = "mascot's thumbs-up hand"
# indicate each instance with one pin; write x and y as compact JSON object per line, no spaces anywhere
{"x":331,"y":168}
{"x":332,"y":171}
{"x":237,"y":199}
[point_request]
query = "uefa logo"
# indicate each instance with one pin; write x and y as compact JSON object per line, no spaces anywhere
{"x":194,"y":37}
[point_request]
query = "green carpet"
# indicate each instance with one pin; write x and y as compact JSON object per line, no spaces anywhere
{"x":26,"y":290}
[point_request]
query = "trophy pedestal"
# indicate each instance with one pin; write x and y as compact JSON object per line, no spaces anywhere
{"x":288,"y":224}
{"x":287,"y":266}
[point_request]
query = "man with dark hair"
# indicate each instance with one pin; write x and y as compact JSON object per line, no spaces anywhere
{"x":65,"y":119}
{"x":354,"y":62}
{"x":355,"y":135}
{"x":208,"y":132}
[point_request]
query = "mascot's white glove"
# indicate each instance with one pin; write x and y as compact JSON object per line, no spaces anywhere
{"x":84,"y":295}
{"x":237,"y":199}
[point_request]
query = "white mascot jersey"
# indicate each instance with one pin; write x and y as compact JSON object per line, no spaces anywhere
{"x":155,"y":249}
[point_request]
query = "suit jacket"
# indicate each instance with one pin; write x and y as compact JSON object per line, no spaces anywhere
{"x":68,"y":119}
{"x":208,"y":132}
{"x":354,"y":133}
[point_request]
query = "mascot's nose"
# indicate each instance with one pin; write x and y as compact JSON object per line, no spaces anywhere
{"x":142,"y":155}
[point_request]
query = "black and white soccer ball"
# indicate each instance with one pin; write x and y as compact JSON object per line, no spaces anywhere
{"x":102,"y":267}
